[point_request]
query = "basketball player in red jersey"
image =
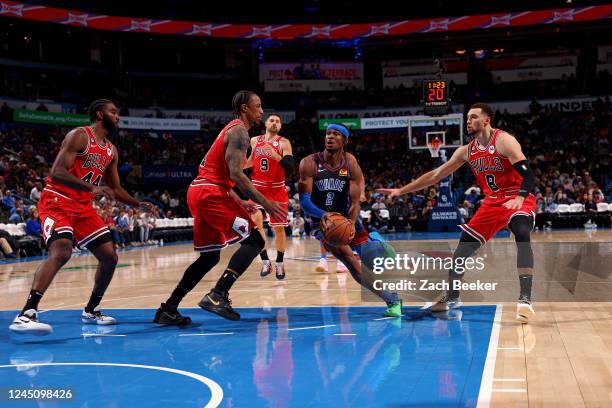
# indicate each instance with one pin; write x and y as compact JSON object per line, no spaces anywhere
{"x":272,"y":162}
{"x":85,"y":158}
{"x":221,"y":218}
{"x":503,"y":173}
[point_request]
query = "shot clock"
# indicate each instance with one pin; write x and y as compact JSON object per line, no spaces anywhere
{"x":436,"y":99}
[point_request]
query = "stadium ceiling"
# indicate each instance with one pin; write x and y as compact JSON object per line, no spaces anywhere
{"x":307,"y":11}
{"x":311,"y":19}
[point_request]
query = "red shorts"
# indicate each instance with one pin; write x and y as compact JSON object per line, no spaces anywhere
{"x":492,"y":216}
{"x":218,"y":219}
{"x":278,"y":194}
{"x":64,"y":215}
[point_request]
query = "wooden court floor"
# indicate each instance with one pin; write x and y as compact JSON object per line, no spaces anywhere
{"x":562,"y":359}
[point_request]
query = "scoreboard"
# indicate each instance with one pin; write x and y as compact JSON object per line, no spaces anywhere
{"x":436,"y":99}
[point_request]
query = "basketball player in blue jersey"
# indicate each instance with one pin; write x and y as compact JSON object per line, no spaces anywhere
{"x":332,"y":181}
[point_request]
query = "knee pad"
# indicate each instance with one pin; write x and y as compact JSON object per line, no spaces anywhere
{"x":521,"y":227}
{"x":468,"y":245}
{"x":207,"y":260}
{"x":255,"y":240}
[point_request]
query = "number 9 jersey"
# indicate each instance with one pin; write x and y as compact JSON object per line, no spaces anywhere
{"x":269,"y":177}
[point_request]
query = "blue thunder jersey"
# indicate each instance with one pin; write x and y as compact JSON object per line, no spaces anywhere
{"x":331,"y":185}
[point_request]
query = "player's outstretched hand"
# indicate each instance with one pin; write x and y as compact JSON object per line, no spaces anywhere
{"x":145,"y":206}
{"x":391,"y":192}
{"x":274,"y":208}
{"x":515,"y":204}
{"x":104,"y":191}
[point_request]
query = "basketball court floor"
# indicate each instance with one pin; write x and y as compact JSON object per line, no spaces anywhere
{"x":309,"y":340}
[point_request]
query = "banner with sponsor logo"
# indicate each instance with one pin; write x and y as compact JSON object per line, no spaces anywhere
{"x":395,"y":117}
{"x":582,"y":104}
{"x":533,"y":74}
{"x":370,"y":113}
{"x":384,"y":123}
{"x":445,"y":215}
{"x":351,"y":124}
{"x":126,"y":122}
{"x":129,"y":122}
{"x":295,"y":77}
{"x":396,"y":73}
{"x":49,"y":118}
{"x":170,"y":173}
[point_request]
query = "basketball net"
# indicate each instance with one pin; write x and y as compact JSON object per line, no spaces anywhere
{"x":434,"y":147}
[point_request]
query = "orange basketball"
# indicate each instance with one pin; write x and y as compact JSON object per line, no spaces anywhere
{"x":337,"y":229}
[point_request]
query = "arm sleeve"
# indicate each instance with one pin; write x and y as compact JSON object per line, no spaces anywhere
{"x":522,"y":168}
{"x":309,"y":207}
{"x":287,"y":164}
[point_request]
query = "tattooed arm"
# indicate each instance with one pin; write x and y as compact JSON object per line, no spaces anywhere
{"x":237,"y":142}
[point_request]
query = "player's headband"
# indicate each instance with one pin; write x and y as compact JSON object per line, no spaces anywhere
{"x":339,"y":128}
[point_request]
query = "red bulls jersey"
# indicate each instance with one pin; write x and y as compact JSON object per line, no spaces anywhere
{"x":214,"y":168}
{"x":494,"y":172}
{"x":89,"y":165}
{"x":267,"y":172}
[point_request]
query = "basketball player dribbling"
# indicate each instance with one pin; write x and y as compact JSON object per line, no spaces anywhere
{"x":221,"y":218}
{"x":503,"y":173}
{"x":86,"y":158}
{"x":332,"y":181}
{"x":272,"y":162}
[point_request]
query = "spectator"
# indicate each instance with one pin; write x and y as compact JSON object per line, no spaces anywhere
{"x":297,"y":225}
{"x":165,"y":198}
{"x":378,"y":203}
{"x":111,"y":222}
{"x":145,"y":224}
{"x":8,"y":201}
{"x":35,"y":192}
{"x":17,"y":215}
{"x":7,"y":245}
{"x":33,"y":226}
{"x":398,"y":214}
{"x":472,"y":198}
{"x":378,"y":222}
{"x":473,"y":187}
{"x":123,"y":225}
{"x":131,"y":221}
{"x":590,"y":205}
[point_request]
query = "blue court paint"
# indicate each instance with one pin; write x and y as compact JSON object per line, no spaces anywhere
{"x":417,"y":360}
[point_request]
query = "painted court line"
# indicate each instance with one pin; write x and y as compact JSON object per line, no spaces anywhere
{"x":215,"y":389}
{"x":486,"y":387}
{"x":345,"y":334}
{"x":102,"y":335}
{"x":311,"y":327}
{"x":205,"y":334}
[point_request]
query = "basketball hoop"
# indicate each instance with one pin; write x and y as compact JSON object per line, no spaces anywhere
{"x":434,"y":147}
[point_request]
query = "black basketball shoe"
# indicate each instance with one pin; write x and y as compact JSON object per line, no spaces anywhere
{"x":219,"y":303}
{"x":169,"y":315}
